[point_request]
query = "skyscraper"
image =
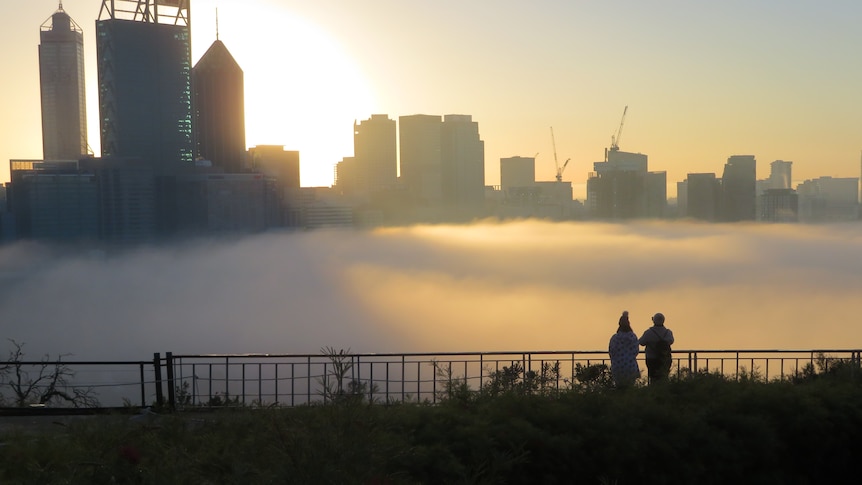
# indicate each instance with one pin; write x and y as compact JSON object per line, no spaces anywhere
{"x":61,"y":82}
{"x":144,"y":64}
{"x":421,"y":157}
{"x":220,"y":109}
{"x":739,"y":189}
{"x":463,"y":156}
{"x":375,"y":154}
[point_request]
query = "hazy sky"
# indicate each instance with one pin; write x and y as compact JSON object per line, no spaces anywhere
{"x":489,"y":287}
{"x":703,"y":80}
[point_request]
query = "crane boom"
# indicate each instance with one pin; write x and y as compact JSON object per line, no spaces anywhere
{"x":615,"y":139}
{"x":556,"y":163}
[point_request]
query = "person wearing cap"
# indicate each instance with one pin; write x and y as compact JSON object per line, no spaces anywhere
{"x":658,"y":365}
{"x":623,"y":350}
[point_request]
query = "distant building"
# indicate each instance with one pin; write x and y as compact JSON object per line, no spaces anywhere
{"x":61,"y":82}
{"x":517,"y":172}
{"x":828,"y":199}
{"x":463,"y":170}
{"x":145,"y":93}
{"x":375,"y":156}
{"x":53,"y":201}
{"x":779,"y":205}
{"x":621,"y":187}
{"x":780,"y":175}
{"x":422,"y":158}
{"x":738,"y":184}
{"x":225,"y":203}
{"x":275,"y":161}
{"x":318,"y":207}
{"x":703,"y":196}
{"x":219,"y":103}
{"x":109,"y":200}
{"x":682,"y":198}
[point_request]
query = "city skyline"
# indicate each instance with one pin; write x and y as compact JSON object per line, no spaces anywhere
{"x":702,"y":83}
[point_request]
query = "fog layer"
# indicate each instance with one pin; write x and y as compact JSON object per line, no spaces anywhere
{"x":488,"y":287}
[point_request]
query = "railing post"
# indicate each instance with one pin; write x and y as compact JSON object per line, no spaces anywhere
{"x":157,"y":370}
{"x":143,"y":387}
{"x":169,"y":365}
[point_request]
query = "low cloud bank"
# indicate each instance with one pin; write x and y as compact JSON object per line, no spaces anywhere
{"x":488,"y":287}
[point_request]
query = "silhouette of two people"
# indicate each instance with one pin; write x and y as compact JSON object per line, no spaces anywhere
{"x":624,"y":348}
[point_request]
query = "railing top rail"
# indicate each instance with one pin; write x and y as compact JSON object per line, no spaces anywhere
{"x":76,"y":362}
{"x":506,"y":353}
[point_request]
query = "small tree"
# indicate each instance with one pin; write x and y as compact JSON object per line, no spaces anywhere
{"x":47,"y":383}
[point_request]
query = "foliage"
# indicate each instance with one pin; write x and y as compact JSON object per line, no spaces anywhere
{"x":45,"y":383}
{"x":335,"y":385}
{"x":700,"y":427}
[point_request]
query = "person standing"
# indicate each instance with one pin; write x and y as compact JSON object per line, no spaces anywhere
{"x":623,"y":350}
{"x":657,"y":341}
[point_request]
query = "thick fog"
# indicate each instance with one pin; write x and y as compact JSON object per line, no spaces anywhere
{"x":489,"y":287}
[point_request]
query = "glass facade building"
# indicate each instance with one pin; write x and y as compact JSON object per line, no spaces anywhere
{"x":144,"y":65}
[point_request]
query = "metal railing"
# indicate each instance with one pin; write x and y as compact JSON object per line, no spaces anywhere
{"x":292,"y":379}
{"x":300,"y":379}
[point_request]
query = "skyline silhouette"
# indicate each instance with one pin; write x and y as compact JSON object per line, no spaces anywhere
{"x":703,"y":83}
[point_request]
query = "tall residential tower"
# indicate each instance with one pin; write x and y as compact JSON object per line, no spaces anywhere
{"x":61,"y":82}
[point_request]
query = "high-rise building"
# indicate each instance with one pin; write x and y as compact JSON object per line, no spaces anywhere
{"x":827,"y":199}
{"x":144,"y":65}
{"x":517,"y":172}
{"x":703,"y":196}
{"x":61,"y":82}
{"x":220,"y":109}
{"x":621,"y":187}
{"x":422,"y":157}
{"x":463,"y":157}
{"x":277,"y":163}
{"x":739,"y":189}
{"x":375,"y":155}
{"x":780,"y":175}
{"x":779,"y":205}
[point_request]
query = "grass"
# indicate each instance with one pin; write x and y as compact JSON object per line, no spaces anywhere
{"x":700,"y":429}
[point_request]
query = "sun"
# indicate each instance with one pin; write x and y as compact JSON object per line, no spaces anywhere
{"x":302,"y":89}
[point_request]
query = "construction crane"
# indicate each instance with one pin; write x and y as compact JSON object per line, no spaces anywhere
{"x":615,"y":139}
{"x":556,"y":163}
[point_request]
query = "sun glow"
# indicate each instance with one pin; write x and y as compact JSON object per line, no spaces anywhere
{"x":302,"y":90}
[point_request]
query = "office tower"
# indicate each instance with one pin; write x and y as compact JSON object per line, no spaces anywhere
{"x":422,"y":157}
{"x":220,"y":109}
{"x":779,"y":205}
{"x":517,"y":172}
{"x":703,"y":196}
{"x":61,"y":82}
{"x":780,"y":175}
{"x":828,"y":199}
{"x":463,"y":158}
{"x":682,"y":198}
{"x":375,"y":155}
{"x":622,"y":188}
{"x":275,"y":161}
{"x":144,"y":64}
{"x":739,"y":189}
{"x":53,"y":201}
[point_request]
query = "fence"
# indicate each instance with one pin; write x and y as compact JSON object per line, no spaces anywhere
{"x":299,"y":379}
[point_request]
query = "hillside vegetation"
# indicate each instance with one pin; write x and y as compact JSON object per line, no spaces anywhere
{"x":697,"y":428}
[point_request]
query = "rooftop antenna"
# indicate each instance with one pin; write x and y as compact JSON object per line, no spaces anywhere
{"x":216,"y":23}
